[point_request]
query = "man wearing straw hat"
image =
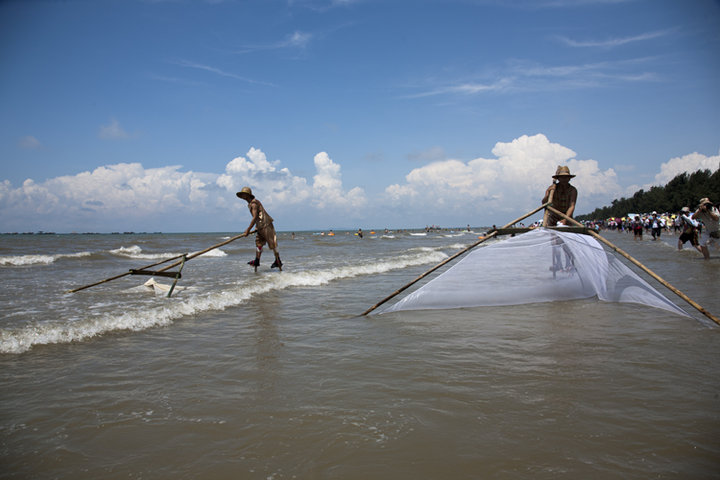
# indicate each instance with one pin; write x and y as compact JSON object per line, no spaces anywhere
{"x":563,"y":196}
{"x":265,"y":229}
{"x":709,"y":215}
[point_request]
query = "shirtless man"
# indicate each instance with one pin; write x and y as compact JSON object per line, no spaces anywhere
{"x":265,"y":229}
{"x":564,"y":196}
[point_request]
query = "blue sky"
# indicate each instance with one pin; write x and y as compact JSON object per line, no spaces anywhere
{"x":150,"y":115}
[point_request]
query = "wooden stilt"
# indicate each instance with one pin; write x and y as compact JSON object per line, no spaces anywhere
{"x":643,"y":267}
{"x":487,"y":237}
{"x":177,"y":277}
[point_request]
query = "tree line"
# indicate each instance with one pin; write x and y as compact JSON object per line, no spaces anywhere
{"x":685,"y":190}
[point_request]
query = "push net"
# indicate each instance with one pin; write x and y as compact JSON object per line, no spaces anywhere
{"x":542,"y":265}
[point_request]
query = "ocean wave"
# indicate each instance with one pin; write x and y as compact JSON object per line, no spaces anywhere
{"x":216,"y":253}
{"x":25,"y":260}
{"x":22,"y":339}
{"x":136,"y":251}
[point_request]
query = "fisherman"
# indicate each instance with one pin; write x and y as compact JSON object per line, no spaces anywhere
{"x":709,"y":216}
{"x":263,"y":222}
{"x":688,"y":228}
{"x":564,"y":196}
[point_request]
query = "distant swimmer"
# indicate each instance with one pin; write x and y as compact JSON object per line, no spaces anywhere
{"x":359,"y":232}
{"x":564,"y":196}
{"x":263,"y":222}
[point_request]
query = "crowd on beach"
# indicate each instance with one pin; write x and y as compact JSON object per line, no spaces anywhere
{"x":699,"y":227}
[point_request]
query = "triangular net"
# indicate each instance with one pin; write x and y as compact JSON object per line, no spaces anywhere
{"x":542,"y":265}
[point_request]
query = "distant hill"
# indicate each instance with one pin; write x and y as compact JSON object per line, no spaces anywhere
{"x":685,"y":190}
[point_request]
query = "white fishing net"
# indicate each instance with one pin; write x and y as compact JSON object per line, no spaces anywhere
{"x":539,"y":266}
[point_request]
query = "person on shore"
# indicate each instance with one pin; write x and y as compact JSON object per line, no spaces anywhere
{"x":688,"y":227}
{"x":263,"y":223}
{"x":563,"y":195}
{"x":710,"y":217}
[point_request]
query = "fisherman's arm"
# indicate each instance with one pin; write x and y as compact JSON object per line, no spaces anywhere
{"x":551,"y":188}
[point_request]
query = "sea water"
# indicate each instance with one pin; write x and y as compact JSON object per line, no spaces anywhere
{"x":276,"y":375}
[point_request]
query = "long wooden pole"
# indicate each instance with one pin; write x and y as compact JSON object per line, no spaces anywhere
{"x":546,"y":216}
{"x":487,"y":237}
{"x":643,"y":267}
{"x":197,"y":254}
{"x":188,"y":257}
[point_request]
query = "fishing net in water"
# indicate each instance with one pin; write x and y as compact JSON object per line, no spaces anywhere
{"x":539,"y":266}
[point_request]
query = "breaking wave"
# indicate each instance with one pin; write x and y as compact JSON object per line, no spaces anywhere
{"x":25,"y":260}
{"x":22,"y":339}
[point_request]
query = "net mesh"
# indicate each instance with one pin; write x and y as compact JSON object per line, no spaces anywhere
{"x":542,"y":265}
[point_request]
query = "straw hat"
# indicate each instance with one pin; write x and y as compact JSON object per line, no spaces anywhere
{"x":703,"y":201}
{"x":685,"y":209}
{"x":562,"y":171}
{"x":246,"y":194}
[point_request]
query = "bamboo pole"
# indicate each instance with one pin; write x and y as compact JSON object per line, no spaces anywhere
{"x":487,"y":237}
{"x":184,"y":257}
{"x":643,"y":267}
{"x":197,"y":254}
{"x":546,"y":216}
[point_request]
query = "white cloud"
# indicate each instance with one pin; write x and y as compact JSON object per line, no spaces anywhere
{"x":614,"y":42}
{"x":515,"y":179}
{"x":218,"y":71}
{"x":447,"y":191}
{"x":687,"y":163}
{"x":29,"y":142}
{"x":327,"y":186}
{"x":279,"y":187}
{"x":113,"y":131}
{"x":128,"y":193}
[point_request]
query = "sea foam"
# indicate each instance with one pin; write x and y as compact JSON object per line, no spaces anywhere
{"x":22,"y":339}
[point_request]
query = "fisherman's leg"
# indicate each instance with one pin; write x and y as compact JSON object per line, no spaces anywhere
{"x":259,"y":242}
{"x":273,"y":245}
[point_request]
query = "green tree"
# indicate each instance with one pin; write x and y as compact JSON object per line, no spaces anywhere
{"x":685,"y":190}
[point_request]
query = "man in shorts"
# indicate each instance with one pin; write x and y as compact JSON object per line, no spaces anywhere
{"x":688,"y":227}
{"x":265,"y":229}
{"x":710,"y":217}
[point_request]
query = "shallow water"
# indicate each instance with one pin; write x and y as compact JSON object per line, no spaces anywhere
{"x":275,"y":375}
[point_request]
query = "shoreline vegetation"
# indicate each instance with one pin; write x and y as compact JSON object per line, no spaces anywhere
{"x":685,"y":190}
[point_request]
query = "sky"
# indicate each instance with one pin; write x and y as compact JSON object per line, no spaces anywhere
{"x":148,"y":115}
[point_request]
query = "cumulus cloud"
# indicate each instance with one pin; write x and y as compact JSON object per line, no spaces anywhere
{"x":515,"y":178}
{"x":128,"y":193}
{"x":446,"y":191}
{"x":687,"y":163}
{"x":278,"y":186}
{"x":327,"y":186}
